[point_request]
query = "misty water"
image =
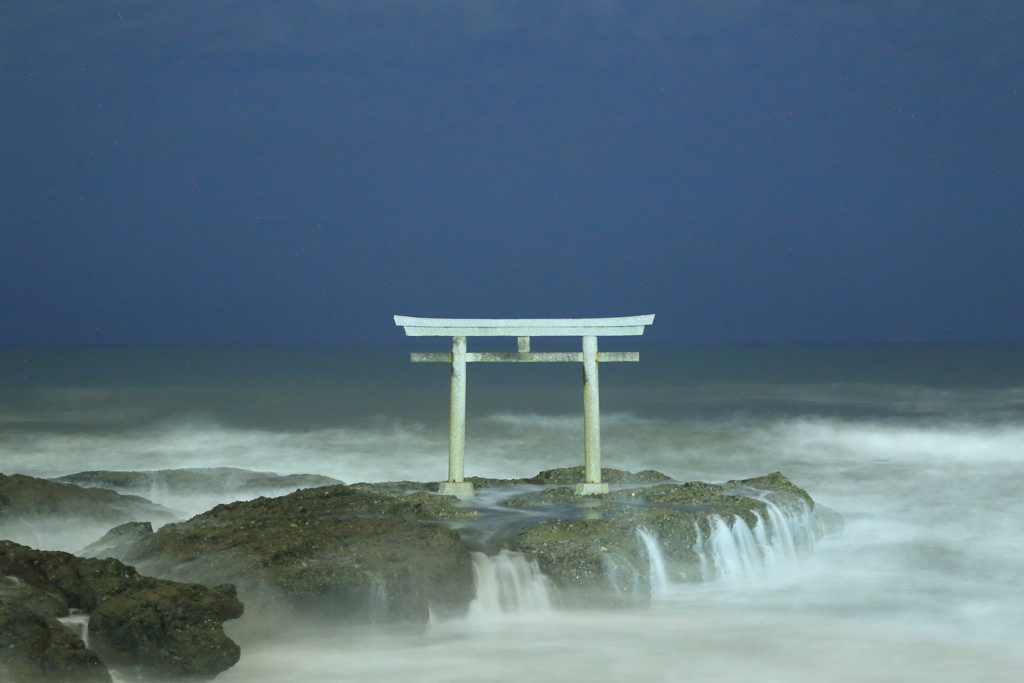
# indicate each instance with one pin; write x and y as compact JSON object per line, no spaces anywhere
{"x":920,"y":449}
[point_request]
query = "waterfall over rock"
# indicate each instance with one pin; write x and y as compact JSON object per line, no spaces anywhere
{"x":735,"y":552}
{"x":729,"y":548}
{"x":78,"y":622}
{"x":658,"y":573}
{"x":619,"y":549}
{"x":508,"y":583}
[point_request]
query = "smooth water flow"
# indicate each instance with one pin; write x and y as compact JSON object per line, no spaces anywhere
{"x":658,"y":573}
{"x":508,"y":583}
{"x":736,"y":554}
{"x":741,"y":554}
{"x":922,"y":586}
{"x":78,"y":623}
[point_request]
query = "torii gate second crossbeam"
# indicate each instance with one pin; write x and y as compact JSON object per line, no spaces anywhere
{"x":587,"y":328}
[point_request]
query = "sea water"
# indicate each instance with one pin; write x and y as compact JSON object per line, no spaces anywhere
{"x":921,"y":449}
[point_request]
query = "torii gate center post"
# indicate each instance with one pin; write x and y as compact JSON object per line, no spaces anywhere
{"x":587,"y":328}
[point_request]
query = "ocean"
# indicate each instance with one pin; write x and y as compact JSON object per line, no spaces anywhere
{"x":919,"y":447}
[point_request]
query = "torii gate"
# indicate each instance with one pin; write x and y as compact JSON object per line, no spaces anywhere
{"x":587,"y":328}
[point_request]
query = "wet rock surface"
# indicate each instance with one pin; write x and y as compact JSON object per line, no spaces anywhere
{"x":189,"y":481}
{"x":570,"y":476}
{"x":775,"y":482}
{"x":33,"y":511}
{"x":23,"y":497}
{"x":34,"y":649}
{"x":141,"y":626}
{"x":341,"y":553}
{"x":395,"y":552}
{"x":592,"y":548}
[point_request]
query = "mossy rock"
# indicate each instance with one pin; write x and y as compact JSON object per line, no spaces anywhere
{"x":490,"y":483}
{"x":338,"y":501}
{"x":362,"y":553}
{"x":594,"y":541}
{"x":591,"y":562}
{"x":774,"y":482}
{"x":392,"y":489}
{"x":591,"y":555}
{"x":570,"y":476}
{"x":135,"y":619}
{"x":335,"y":552}
{"x":555,"y":495}
{"x":34,"y":649}
{"x":29,"y":498}
{"x":192,"y":480}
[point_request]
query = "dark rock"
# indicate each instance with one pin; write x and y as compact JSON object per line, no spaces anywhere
{"x":696,"y":497}
{"x":570,"y":476}
{"x":591,"y":548}
{"x":303,"y":506}
{"x":591,"y":562}
{"x":489,"y":483}
{"x":51,"y":514}
{"x":392,"y":489}
{"x":67,"y":659}
{"x":28,"y":497}
{"x":34,"y":649}
{"x":117,"y":540}
{"x":556,"y":494}
{"x":775,"y":482}
{"x":362,"y":553}
{"x":202,"y":480}
{"x":140,"y":625}
{"x":599,"y":559}
{"x":167,"y":629}
{"x":338,"y":552}
{"x":44,"y":601}
{"x":562,"y":476}
{"x":24,"y":638}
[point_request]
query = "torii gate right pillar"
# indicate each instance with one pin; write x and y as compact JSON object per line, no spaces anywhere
{"x":591,"y":423}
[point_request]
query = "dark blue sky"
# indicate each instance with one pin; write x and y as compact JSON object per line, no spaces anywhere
{"x":276,"y":172}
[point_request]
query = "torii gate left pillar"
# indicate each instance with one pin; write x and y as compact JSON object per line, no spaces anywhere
{"x":587,"y":328}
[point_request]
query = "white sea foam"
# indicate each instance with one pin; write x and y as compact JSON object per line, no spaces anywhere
{"x":349,"y":454}
{"x":657,"y":572}
{"x":732,"y":644}
{"x":923,"y":585}
{"x":506,"y":445}
{"x":508,"y":583}
{"x":737,"y":553}
{"x":78,"y":622}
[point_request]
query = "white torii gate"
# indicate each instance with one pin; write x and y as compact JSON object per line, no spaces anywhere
{"x":587,"y":328}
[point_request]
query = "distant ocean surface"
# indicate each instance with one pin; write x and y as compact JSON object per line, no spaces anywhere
{"x":919,"y":447}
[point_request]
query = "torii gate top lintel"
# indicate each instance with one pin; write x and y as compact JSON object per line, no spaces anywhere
{"x":524,"y":328}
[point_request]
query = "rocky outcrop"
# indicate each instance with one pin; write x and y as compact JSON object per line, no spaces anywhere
{"x":47,"y":514}
{"x":197,"y":480}
{"x":592,"y":549}
{"x":337,"y":552}
{"x":395,"y":552}
{"x":141,"y":626}
{"x":35,"y":649}
{"x":28,"y":498}
{"x":570,"y":476}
